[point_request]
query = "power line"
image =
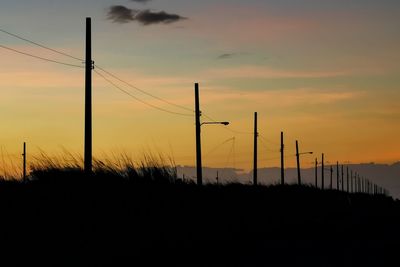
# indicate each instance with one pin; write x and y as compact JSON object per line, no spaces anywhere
{"x":138,"y":99}
{"x":219,"y":145}
{"x":143,"y":91}
{"x":40,"y":45}
{"x":269,"y":141}
{"x":38,"y":57}
{"x":268,"y":149}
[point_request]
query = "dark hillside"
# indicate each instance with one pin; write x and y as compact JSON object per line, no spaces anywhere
{"x":63,"y":218}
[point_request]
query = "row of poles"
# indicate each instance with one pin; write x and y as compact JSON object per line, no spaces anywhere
{"x":354,"y":183}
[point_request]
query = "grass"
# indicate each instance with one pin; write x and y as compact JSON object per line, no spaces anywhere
{"x":128,"y":212}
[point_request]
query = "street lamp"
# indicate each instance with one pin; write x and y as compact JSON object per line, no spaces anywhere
{"x":215,"y":122}
{"x":198,"y":133}
{"x":298,"y":161}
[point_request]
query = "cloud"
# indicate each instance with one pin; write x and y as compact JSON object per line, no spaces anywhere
{"x":147,"y":17}
{"x":226,"y":56}
{"x":122,"y":14}
{"x":258,"y":72}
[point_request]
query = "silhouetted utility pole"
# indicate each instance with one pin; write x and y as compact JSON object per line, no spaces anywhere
{"x":351,"y":182}
{"x":363,"y":184}
{"x":316,"y":173}
{"x":322,"y":172}
{"x":337,"y":175}
{"x":217,"y":178}
{"x":331,"y":184}
{"x":282,"y":161}
{"x":88,"y":98}
{"x":24,"y":163}
{"x":347,"y":178}
{"x":298,"y":163}
{"x":355,"y":182}
{"x":342,"y":179}
{"x":255,"y":149}
{"x":198,"y":135}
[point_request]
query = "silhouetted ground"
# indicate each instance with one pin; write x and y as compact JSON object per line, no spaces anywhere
{"x":62,"y":218}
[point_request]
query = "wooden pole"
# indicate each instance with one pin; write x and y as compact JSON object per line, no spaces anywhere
{"x":88,"y":99}
{"x":337,"y":175}
{"x":298,"y":163}
{"x":198,"y":135}
{"x":316,"y":173}
{"x":24,"y":163}
{"x":255,"y":150}
{"x":282,"y":161}
{"x":322,"y":172}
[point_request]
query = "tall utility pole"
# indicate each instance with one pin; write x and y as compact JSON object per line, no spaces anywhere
{"x":361,"y":185}
{"x":298,"y":163}
{"x":355,"y":182}
{"x":351,"y":181}
{"x":255,"y":150}
{"x":198,"y":136}
{"x":347,"y":178}
{"x":282,"y":161}
{"x":337,"y":175}
{"x":316,"y":173}
{"x":322,"y":172}
{"x":24,"y":163}
{"x":331,"y":184}
{"x":88,"y":98}
{"x":342,"y":178}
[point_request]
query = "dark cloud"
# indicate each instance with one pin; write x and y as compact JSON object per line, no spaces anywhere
{"x":147,"y":17}
{"x":226,"y":56}
{"x":122,"y":14}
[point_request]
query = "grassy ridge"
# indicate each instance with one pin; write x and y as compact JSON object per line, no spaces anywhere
{"x":122,"y":215}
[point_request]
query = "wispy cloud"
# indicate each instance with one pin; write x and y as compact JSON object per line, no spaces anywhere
{"x":259,"y":72}
{"x":122,"y":14}
{"x":226,"y":56}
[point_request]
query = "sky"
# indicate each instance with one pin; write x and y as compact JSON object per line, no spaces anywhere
{"x":325,"y":72}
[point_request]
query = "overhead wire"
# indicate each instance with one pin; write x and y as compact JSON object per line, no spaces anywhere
{"x":141,"y":90}
{"x":40,"y":45}
{"x":39,"y":57}
{"x":219,"y":145}
{"x":140,"y":100}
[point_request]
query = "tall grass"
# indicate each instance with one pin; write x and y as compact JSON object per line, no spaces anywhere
{"x":150,"y":167}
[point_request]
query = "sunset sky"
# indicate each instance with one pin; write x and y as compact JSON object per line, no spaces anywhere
{"x":326,"y":72}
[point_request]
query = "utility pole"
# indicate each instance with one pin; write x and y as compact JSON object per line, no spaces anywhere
{"x":282,"y":161}
{"x":351,"y":182}
{"x":316,"y":173}
{"x":198,"y":135}
{"x":342,"y":179}
{"x":347,"y":178}
{"x":298,"y":163}
{"x":255,"y":150}
{"x":24,"y":163}
{"x":322,"y":172}
{"x":337,"y":175}
{"x":331,"y":184}
{"x":217,"y":178}
{"x":88,"y":98}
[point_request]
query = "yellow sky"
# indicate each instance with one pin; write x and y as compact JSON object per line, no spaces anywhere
{"x":328,"y":78}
